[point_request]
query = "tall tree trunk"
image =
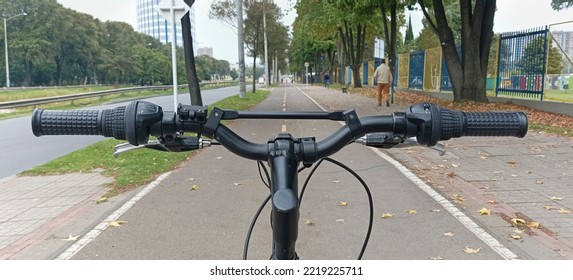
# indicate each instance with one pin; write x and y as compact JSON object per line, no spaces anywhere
{"x":468,"y":73}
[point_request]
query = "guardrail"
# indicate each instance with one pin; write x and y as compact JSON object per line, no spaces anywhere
{"x":71,"y":97}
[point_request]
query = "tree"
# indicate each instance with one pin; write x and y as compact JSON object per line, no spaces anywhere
{"x":468,"y":78}
{"x":561,"y":4}
{"x":409,"y":32}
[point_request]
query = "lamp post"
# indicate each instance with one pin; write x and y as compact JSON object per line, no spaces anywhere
{"x":6,"y":47}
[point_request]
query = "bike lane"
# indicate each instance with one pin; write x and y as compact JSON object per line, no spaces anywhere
{"x":202,"y":210}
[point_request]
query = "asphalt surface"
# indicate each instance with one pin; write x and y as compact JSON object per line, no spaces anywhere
{"x":171,"y":219}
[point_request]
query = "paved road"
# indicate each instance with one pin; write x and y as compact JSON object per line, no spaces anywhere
{"x":21,"y":150}
{"x":175,"y":221}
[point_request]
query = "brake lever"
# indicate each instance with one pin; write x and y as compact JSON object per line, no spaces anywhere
{"x":126,"y":147}
{"x":388,"y":140}
{"x":411,"y":142}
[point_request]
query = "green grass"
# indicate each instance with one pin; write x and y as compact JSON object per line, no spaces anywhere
{"x":13,"y":95}
{"x":134,"y":168}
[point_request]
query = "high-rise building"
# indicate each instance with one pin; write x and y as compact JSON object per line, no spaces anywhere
{"x":205,"y":51}
{"x":151,"y":22}
{"x":565,"y":41}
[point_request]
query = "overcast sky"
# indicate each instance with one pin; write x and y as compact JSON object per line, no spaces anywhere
{"x":511,"y":15}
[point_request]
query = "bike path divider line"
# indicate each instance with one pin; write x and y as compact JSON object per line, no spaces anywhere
{"x":91,"y":235}
{"x":480,"y":233}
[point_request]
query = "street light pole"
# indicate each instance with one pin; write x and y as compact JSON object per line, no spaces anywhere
{"x":6,"y":47}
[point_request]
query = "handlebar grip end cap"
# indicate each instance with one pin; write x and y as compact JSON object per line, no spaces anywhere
{"x":36,"y":122}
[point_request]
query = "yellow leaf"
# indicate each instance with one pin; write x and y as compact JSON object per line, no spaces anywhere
{"x":412,"y":211}
{"x":564,"y":211}
{"x":512,"y":163}
{"x":471,"y":250}
{"x":548,"y":207}
{"x":485,"y":211}
{"x":387,"y":215}
{"x":556,"y":198}
{"x":533,"y":224}
{"x":449,"y":234}
{"x":458,"y":198}
{"x":515,"y":236}
{"x":194,"y":187}
{"x":71,"y":238}
{"x":342,"y":203}
{"x":518,"y":222}
{"x":117,"y":223}
{"x":102,"y":199}
{"x":308,"y":222}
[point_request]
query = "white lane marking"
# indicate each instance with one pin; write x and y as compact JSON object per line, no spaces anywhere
{"x":480,"y":233}
{"x":90,"y":236}
{"x":283,"y":128}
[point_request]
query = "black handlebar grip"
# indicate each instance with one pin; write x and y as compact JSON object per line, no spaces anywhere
{"x":457,"y":123}
{"x":108,"y":123}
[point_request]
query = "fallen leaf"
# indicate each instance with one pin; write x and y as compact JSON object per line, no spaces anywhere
{"x":556,"y":198}
{"x":516,"y":230}
{"x":117,"y":223}
{"x":236,"y":184}
{"x":342,"y":203}
{"x":485,"y":211}
{"x":435,"y":210}
{"x":308,"y":222}
{"x":336,"y":181}
{"x":492,"y":201}
{"x":471,"y":250}
{"x":451,"y":175}
{"x":411,"y":211}
{"x":548,"y":207}
{"x":564,"y":211}
{"x":219,"y":157}
{"x":449,"y":234}
{"x":194,"y":187}
{"x":387,"y":215}
{"x":515,"y":236}
{"x":458,"y":198}
{"x":455,"y":165}
{"x":437,"y":258}
{"x":513,"y":164}
{"x":539,"y":182}
{"x":339,"y":220}
{"x":102,"y":199}
{"x":518,"y":222}
{"x":71,"y":238}
{"x":533,"y":224}
{"x":191,"y":179}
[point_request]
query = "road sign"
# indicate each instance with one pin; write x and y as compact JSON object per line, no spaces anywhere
{"x":178,"y":6}
{"x":306,"y":64}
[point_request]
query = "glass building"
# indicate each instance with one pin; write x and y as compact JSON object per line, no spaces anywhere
{"x":150,"y":22}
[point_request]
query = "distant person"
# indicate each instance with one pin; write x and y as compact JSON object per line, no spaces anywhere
{"x":383,"y":76}
{"x":326,"y":80}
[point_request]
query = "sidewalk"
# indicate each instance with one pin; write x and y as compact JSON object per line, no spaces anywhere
{"x":528,"y":178}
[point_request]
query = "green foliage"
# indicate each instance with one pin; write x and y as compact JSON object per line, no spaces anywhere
{"x":54,"y":45}
{"x":561,"y":4}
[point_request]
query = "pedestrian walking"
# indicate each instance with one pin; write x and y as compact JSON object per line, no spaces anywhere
{"x":326,"y":80}
{"x":383,"y":76}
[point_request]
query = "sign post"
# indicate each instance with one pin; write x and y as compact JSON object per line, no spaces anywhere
{"x":173,"y":11}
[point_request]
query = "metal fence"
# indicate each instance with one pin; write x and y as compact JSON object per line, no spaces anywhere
{"x":521,"y":63}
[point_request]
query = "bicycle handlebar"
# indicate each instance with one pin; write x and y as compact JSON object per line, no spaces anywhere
{"x":136,"y":121}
